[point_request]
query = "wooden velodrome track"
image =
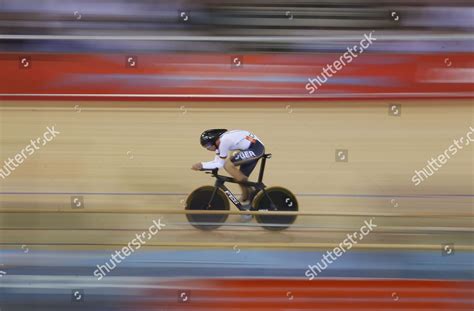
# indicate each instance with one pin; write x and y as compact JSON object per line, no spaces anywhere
{"x":131,"y":160}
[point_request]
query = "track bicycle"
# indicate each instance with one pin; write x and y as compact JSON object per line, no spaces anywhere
{"x":216,"y":198}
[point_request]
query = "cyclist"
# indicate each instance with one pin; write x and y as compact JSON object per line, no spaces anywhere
{"x":233,"y":148}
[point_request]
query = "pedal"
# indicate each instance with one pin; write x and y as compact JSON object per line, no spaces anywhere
{"x":246,"y":217}
{"x":247,"y":207}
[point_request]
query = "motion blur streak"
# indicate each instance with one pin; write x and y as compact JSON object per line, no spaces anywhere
{"x":278,"y":294}
{"x":212,"y":75}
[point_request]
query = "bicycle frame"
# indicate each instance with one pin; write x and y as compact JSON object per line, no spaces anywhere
{"x":221,"y":180}
{"x":219,"y":184}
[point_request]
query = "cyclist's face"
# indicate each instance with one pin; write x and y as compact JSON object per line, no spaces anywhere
{"x":210,"y":147}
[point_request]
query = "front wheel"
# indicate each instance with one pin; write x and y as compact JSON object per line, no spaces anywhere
{"x":276,"y":199}
{"x":200,"y":199}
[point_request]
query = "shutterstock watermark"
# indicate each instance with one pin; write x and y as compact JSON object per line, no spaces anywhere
{"x":443,"y":158}
{"x":127,"y":250}
{"x":344,"y":246}
{"x":11,"y":164}
{"x":339,"y":64}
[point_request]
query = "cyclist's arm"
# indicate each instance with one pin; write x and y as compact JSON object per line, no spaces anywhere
{"x":221,"y":155}
{"x":218,"y":162}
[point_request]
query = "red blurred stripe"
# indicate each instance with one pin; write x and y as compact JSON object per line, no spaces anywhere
{"x":212,"y":75}
{"x":340,"y":294}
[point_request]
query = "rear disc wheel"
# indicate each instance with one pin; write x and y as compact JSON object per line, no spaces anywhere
{"x":283,"y":200}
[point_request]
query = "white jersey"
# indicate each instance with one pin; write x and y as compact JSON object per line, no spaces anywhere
{"x":230,"y":141}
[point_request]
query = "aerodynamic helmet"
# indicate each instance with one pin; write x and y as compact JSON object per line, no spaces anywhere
{"x":209,"y":137}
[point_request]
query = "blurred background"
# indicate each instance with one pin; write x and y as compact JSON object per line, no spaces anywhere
{"x":230,"y":26}
{"x":237,"y":49}
{"x":130,"y":85}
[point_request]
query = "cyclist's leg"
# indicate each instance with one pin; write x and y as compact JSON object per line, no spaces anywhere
{"x":246,"y":169}
{"x":235,"y":172}
{"x":247,"y":160}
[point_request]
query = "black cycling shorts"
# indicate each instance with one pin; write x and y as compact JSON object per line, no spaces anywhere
{"x":247,"y":159}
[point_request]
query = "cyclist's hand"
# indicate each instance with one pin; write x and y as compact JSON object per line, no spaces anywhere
{"x":197,"y":166}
